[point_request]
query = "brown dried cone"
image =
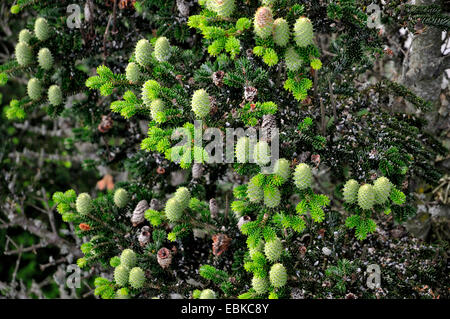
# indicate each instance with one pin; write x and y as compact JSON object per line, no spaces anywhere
{"x":155,"y":204}
{"x":105,"y":124}
{"x":144,"y":236}
{"x":243,"y":220}
{"x":302,"y":251}
{"x":213,"y":208}
{"x":214,"y":108}
{"x":197,"y":171}
{"x":139,"y":213}
{"x":250,"y":93}
{"x":221,"y":242}
{"x":164,"y":257}
{"x":217,"y":78}
{"x":268,"y":124}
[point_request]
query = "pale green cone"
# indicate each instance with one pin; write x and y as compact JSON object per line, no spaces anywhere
{"x":278,"y":275}
{"x":55,"y":95}
{"x":292,"y":59}
{"x":162,"y":49}
{"x":45,"y":59}
{"x":24,"y":54}
{"x":350,"y":191}
{"x":281,"y":32}
{"x":303,"y":32}
{"x":382,"y":187}
{"x":263,"y":22}
{"x":303,"y":176}
{"x":201,"y":104}
{"x":143,"y":52}
{"x":34,"y":89}
{"x":41,"y":29}
{"x":366,"y":196}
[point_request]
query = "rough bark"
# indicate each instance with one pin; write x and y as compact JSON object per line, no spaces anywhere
{"x":422,"y":68}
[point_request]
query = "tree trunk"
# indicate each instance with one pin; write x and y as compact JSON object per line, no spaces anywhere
{"x":422,"y":68}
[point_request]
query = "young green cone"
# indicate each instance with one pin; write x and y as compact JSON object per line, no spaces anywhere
{"x":143,"y":52}
{"x":263,"y":22}
{"x":350,"y":191}
{"x":45,"y":59}
{"x":303,"y":32}
{"x":83,"y":204}
{"x":200,"y":103}
{"x":128,"y":258}
{"x":121,"y":198}
{"x":121,"y":273}
{"x":41,"y":29}
{"x":273,"y":249}
{"x":278,"y":275}
{"x":24,"y":54}
{"x":281,"y":32}
{"x":162,"y":49}
{"x":366,"y":196}
{"x":34,"y":89}
{"x":302,"y":176}
{"x":55,"y":95}
{"x":136,"y":278}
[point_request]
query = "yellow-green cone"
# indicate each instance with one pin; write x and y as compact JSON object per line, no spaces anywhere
{"x":150,"y":92}
{"x":55,"y":95}
{"x":278,"y":275}
{"x":254,"y":192}
{"x":137,"y":278}
{"x":24,"y":54}
{"x":25,"y":36}
{"x":183,"y":196}
{"x":273,"y":249}
{"x":282,"y":168}
{"x":207,"y":294}
{"x":121,"y":275}
{"x":303,"y":32}
{"x":350,"y":191}
{"x":143,"y":52}
{"x":260,"y":285}
{"x":132,"y":72}
{"x":292,"y":59}
{"x":302,"y":176}
{"x":162,"y":49}
{"x":272,"y":197}
{"x":366,"y":196}
{"x":41,"y":29}
{"x":128,"y":258}
{"x":173,"y":210}
{"x":263,"y":22}
{"x":200,"y":103}
{"x":121,"y":198}
{"x":261,"y":153}
{"x":382,"y":187}
{"x":45,"y":59}
{"x":223,"y":8}
{"x":243,"y":149}
{"x":83,"y":204}
{"x":157,"y":111}
{"x":281,"y":32}
{"x":34,"y":89}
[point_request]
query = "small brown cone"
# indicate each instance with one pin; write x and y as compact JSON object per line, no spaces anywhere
{"x":164,"y":257}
